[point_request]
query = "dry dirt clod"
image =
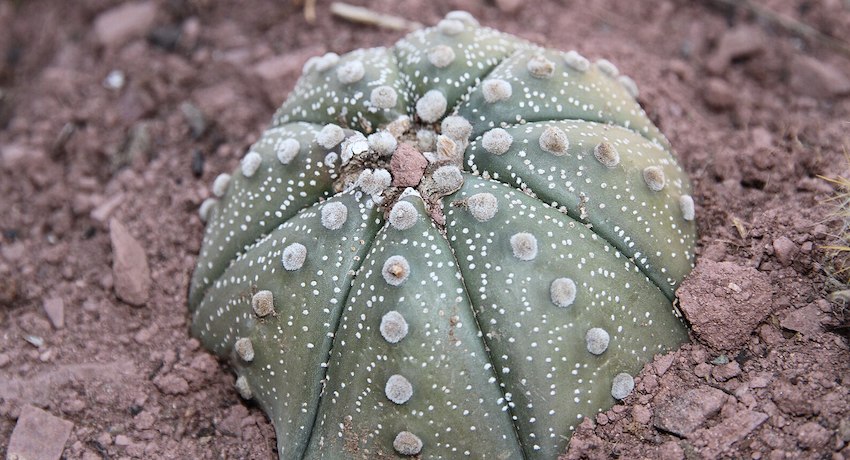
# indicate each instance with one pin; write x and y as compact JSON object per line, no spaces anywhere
{"x":685,"y":413}
{"x":130,"y":269}
{"x":38,"y":435}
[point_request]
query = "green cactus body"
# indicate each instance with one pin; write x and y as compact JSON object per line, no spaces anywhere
{"x":460,"y":246}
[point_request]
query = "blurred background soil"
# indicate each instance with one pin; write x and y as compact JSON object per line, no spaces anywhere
{"x":125,"y":112}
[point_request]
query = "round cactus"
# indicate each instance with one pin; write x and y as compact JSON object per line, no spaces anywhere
{"x":458,"y":246}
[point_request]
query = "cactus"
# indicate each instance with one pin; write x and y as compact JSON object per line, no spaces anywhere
{"x":459,"y":246}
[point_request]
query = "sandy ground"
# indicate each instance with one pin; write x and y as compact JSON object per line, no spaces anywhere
{"x":103,"y":118}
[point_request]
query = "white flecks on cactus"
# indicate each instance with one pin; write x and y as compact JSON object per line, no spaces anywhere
{"x":607,"y":154}
{"x":497,"y":141}
{"x":407,"y":443}
{"x":383,"y":97}
{"x":245,"y":349}
{"x":243,"y":388}
{"x":482,"y":206}
{"x":294,"y":256}
{"x":457,"y":128}
{"x":395,"y":270}
{"x":431,"y":106}
{"x":441,"y":56}
{"x":576,"y":61}
{"x":447,"y":179}
{"x":524,"y":246}
{"x":393,"y":327}
{"x":334,"y":215}
{"x":262,"y":303}
{"x":403,"y":215}
{"x":563,"y":292}
{"x":496,"y":89}
{"x":251,"y":163}
{"x":288,"y":150}
{"x":383,"y":143}
{"x":450,"y":26}
{"x":555,"y":141}
{"x":220,"y":184}
{"x":629,"y":84}
{"x":350,"y":72}
{"x":330,"y":136}
{"x":608,"y":68}
{"x":398,"y":389}
{"x":206,"y":208}
{"x":686,"y":204}
{"x":597,"y":340}
{"x":622,"y":386}
{"x":654,"y":178}
{"x":539,"y":66}
{"x":463,"y":16}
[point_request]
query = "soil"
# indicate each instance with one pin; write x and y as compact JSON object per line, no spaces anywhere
{"x":104,"y":119}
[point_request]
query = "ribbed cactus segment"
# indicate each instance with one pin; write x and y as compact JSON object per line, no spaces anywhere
{"x":539,"y":342}
{"x":600,"y":181}
{"x":255,"y":205}
{"x":458,"y":53}
{"x":360,"y":90}
{"x":291,"y":344}
{"x":545,"y":87}
{"x":445,"y":392}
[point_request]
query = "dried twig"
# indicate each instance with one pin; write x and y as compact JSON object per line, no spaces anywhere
{"x":798,"y":28}
{"x":363,"y":15}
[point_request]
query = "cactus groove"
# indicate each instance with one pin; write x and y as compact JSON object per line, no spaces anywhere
{"x":456,"y":247}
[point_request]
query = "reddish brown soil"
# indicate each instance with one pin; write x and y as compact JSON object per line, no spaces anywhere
{"x":753,"y":125}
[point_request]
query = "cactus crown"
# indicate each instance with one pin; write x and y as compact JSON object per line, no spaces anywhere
{"x":458,"y":246}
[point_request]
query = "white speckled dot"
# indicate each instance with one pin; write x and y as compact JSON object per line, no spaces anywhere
{"x":482,"y":206}
{"x":251,"y":163}
{"x":330,"y":136}
{"x":450,"y":26}
{"x":496,"y":89}
{"x":206,"y":208}
{"x":456,"y":127}
{"x":654,"y":178}
{"x":219,"y":186}
{"x":607,"y":154}
{"x":383,"y":143}
{"x":622,"y":386}
{"x":288,"y":150}
{"x":563,"y":291}
{"x":398,"y":389}
{"x":597,"y":340}
{"x":403,"y":215}
{"x":524,"y":246}
{"x":540,"y":66}
{"x":243,"y":388}
{"x":395,"y":270}
{"x":608,"y":68}
{"x":431,"y":106}
{"x":350,"y":72}
{"x":393,"y":327}
{"x":407,"y":443}
{"x":383,"y":97}
{"x":686,"y":204}
{"x":263,"y":303}
{"x":294,"y":256}
{"x":576,"y":61}
{"x":441,"y":56}
{"x":334,"y":215}
{"x":554,"y":140}
{"x":245,"y":349}
{"x":497,"y":141}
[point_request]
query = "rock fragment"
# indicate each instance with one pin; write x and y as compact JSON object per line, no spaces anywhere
{"x":38,"y":435}
{"x":785,"y":250}
{"x":120,"y":24}
{"x":737,"y":43}
{"x":407,"y":166}
{"x":129,"y":266}
{"x":683,"y":414}
{"x":54,"y":307}
{"x":818,"y":79}
{"x":731,"y":430}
